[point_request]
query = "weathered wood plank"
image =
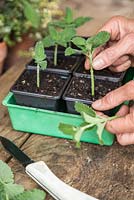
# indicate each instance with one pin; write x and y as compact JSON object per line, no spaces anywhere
{"x":6,"y":130}
{"x":103,"y":172}
{"x":8,"y":78}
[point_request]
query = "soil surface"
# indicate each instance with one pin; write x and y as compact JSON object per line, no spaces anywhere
{"x":63,"y":63}
{"x":105,"y":73}
{"x":51,"y":84}
{"x":80,"y":88}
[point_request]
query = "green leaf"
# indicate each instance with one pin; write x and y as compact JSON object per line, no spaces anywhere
{"x":31,"y":14}
{"x":80,"y":131}
{"x":7,"y":188}
{"x":100,"y":128}
{"x":58,"y":23}
{"x":69,"y":16}
{"x":31,"y":195}
{"x":67,"y":34}
{"x":6,"y":175}
{"x":13,"y":189}
{"x":98,"y":40}
{"x":43,"y":64}
{"x":80,"y":107}
{"x":69,"y":51}
{"x":47,"y":42}
{"x":39,"y":52}
{"x":78,"y":135}
{"x":2,"y":192}
{"x":89,"y":119}
{"x":62,"y":43}
{"x":67,"y":129}
{"x":62,"y":24}
{"x":81,"y":20}
{"x":53,"y":33}
{"x":79,"y":41}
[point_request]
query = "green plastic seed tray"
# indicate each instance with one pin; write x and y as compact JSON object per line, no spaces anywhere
{"x":45,"y":122}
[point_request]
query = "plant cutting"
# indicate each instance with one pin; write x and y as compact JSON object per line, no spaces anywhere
{"x":56,"y":38}
{"x":87,"y":47}
{"x":90,"y":120}
{"x":11,"y":191}
{"x":38,"y":88}
{"x":69,"y":22}
{"x":57,"y":62}
{"x":59,"y":39}
{"x":40,"y":59}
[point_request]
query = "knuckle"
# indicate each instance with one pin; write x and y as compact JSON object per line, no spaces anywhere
{"x":131,"y":120}
{"x":129,"y":43}
{"x":108,"y":99}
{"x":130,"y":37}
{"x":118,"y":17}
{"x":108,"y":56}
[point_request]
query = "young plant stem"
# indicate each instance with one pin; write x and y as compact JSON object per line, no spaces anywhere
{"x":69,"y":44}
{"x":38,"y":75}
{"x":7,"y":198}
{"x":92,"y":74}
{"x":55,"y":54}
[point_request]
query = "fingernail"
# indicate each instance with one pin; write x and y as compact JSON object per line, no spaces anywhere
{"x":96,"y":104}
{"x":98,"y":63}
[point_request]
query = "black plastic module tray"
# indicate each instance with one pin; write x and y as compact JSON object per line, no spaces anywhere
{"x":32,"y":99}
{"x":79,"y":90}
{"x":66,"y":64}
{"x":104,"y":74}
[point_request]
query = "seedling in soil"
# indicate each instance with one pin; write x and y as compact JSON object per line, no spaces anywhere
{"x":40,"y":59}
{"x":87,"y":47}
{"x":56,"y":38}
{"x":69,"y":22}
{"x":90,"y":120}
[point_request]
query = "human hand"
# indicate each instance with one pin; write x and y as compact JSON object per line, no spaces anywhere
{"x":117,"y":54}
{"x":123,"y":126}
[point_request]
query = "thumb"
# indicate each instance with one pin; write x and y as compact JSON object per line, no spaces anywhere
{"x":126,"y":138}
{"x":115,"y":97}
{"x":111,"y":54}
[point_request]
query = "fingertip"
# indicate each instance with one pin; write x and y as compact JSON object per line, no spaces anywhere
{"x":121,"y":138}
{"x":97,"y":104}
{"x":98,"y":63}
{"x":125,"y":139}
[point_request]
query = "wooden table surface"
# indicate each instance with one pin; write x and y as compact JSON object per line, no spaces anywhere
{"x":106,"y":173}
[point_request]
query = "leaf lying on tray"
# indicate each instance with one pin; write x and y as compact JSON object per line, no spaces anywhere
{"x":91,"y":119}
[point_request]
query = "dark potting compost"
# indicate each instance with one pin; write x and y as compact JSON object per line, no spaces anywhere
{"x":49,"y":94}
{"x":79,"y":89}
